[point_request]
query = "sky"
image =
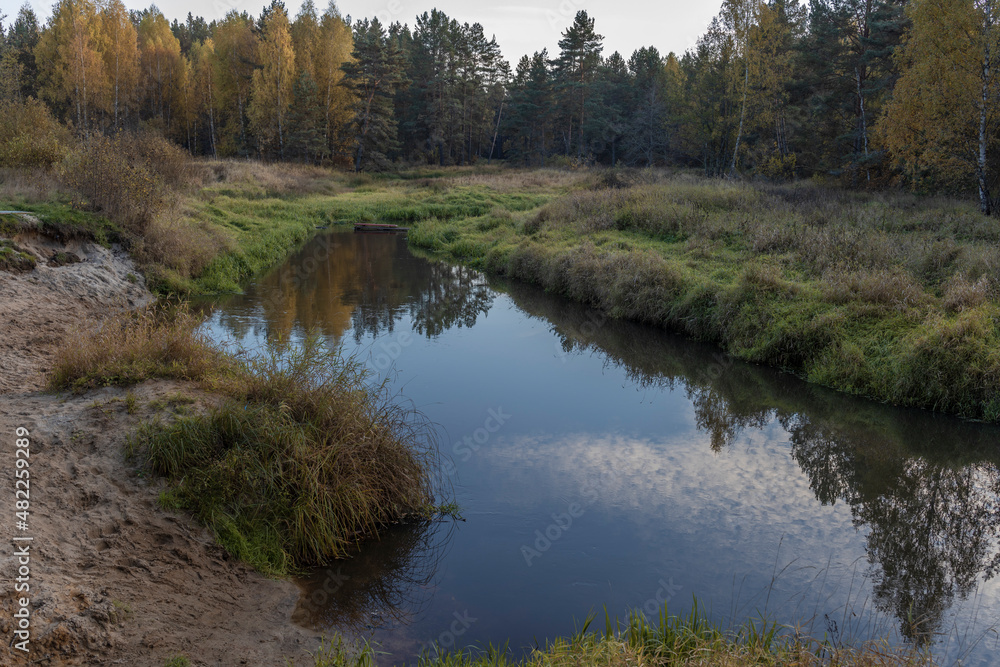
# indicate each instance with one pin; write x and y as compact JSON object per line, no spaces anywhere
{"x":520,"y":27}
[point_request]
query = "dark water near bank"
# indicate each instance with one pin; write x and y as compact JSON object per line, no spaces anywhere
{"x":601,"y":464}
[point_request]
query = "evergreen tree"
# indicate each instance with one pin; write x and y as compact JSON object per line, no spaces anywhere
{"x":21,"y":40}
{"x":646,"y":138}
{"x":528,"y":124}
{"x":306,"y":140}
{"x":373,"y":75}
{"x":575,"y":68}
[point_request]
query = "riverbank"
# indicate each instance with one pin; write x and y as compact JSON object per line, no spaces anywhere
{"x":113,"y":577}
{"x":882,"y":295}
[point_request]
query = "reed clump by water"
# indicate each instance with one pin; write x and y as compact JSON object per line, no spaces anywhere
{"x":301,"y":457}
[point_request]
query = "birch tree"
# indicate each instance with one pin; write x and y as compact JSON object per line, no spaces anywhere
{"x":271,"y":89}
{"x":120,"y":52}
{"x":944,"y":113}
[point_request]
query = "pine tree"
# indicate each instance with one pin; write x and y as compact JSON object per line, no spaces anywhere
{"x":374,"y":74}
{"x":575,"y":68}
{"x":528,"y":124}
{"x":21,"y":40}
{"x":645,"y":135}
{"x":614,"y":86}
{"x":306,"y":141}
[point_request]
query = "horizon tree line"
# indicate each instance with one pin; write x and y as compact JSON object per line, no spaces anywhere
{"x":872,"y":92}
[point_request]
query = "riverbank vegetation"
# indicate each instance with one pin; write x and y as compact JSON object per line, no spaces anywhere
{"x":673,"y":641}
{"x":888,"y":295}
{"x":297,"y":459}
{"x":885,"y":295}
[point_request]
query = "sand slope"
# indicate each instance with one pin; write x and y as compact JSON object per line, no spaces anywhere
{"x":114,"y":579}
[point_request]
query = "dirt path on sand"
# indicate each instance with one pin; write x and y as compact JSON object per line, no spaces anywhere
{"x":113,"y":578}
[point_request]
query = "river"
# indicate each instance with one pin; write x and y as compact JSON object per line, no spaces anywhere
{"x":602,"y":465}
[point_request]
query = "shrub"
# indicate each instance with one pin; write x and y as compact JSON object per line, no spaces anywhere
{"x":30,"y":136}
{"x":116,"y":181}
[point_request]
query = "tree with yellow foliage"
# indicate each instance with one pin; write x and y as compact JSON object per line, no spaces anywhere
{"x":119,"y":50}
{"x":332,"y":50}
{"x":944,"y":113}
{"x":235,"y":56}
{"x":163,"y":71}
{"x":203,"y":84}
{"x":271,"y":89}
{"x":70,"y":66}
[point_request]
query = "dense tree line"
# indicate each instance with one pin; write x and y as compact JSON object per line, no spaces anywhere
{"x":871,"y":91}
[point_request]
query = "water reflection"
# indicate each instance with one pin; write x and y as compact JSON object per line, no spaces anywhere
{"x":921,"y":489}
{"x":364,"y":283}
{"x":389,"y":580}
{"x":926,"y":487}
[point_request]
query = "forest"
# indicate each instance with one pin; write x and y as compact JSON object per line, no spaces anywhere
{"x":871,"y":93}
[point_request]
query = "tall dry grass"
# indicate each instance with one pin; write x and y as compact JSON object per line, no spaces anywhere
{"x":130,"y":347}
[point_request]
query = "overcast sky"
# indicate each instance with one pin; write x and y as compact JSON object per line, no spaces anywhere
{"x":520,"y":27}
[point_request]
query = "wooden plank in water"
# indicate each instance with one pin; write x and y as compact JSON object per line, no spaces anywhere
{"x":377,"y":227}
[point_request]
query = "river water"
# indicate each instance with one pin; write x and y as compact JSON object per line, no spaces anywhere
{"x":606,"y":466}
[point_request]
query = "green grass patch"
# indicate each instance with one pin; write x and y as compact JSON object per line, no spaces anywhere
{"x":305,"y":460}
{"x":60,"y":220}
{"x":666,"y":640}
{"x":14,"y":259}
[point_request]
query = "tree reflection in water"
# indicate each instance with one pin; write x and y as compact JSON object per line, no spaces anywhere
{"x":925,"y":486}
{"x":362,"y":282}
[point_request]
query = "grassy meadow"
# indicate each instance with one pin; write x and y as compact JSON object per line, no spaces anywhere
{"x":885,"y":295}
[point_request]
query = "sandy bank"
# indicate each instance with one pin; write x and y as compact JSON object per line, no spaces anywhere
{"x":113,"y":578}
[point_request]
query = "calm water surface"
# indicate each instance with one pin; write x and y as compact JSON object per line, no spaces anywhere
{"x":604,"y":465}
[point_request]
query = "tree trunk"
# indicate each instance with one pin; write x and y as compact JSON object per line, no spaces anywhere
{"x":864,"y":123}
{"x":985,"y":203}
{"x":743,"y":113}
